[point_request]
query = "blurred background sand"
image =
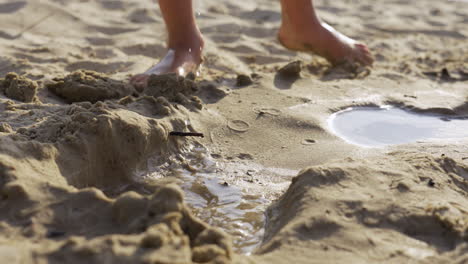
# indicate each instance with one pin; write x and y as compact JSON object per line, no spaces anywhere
{"x":68,"y":184}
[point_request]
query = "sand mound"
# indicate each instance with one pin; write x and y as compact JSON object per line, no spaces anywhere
{"x":414,"y":212}
{"x":5,"y":128}
{"x":291,"y":70}
{"x":18,"y":87}
{"x":174,"y":88}
{"x":102,"y":144}
{"x":60,"y":162}
{"x":91,"y":86}
{"x":85,"y":226}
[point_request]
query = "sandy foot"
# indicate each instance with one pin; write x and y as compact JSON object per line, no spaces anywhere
{"x":326,"y":42}
{"x":181,"y":61}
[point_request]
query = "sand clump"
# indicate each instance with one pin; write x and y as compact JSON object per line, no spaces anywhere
{"x":174,"y":88}
{"x":243,"y":80}
{"x":330,"y":211}
{"x":291,"y":70}
{"x":91,"y":86}
{"x":19,"y":87}
{"x":162,"y":230}
{"x":5,"y":128}
{"x":111,"y":140}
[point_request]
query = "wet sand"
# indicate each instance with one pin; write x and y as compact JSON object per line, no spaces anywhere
{"x":90,"y":173}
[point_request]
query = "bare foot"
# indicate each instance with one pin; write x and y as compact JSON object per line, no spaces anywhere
{"x":178,"y":60}
{"x":325,"y":41}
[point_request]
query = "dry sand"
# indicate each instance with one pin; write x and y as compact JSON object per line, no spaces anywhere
{"x":90,"y":174}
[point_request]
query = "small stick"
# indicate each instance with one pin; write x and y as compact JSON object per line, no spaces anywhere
{"x":186,"y":134}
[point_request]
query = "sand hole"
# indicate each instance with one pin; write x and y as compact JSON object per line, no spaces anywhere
{"x":382,"y":126}
{"x":231,"y":196}
{"x":225,"y":205}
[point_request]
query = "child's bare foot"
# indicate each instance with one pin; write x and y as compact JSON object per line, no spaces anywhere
{"x":185,"y":42}
{"x":179,"y":60}
{"x":325,"y":41}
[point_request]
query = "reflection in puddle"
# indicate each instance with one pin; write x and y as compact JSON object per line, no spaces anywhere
{"x":227,"y":195}
{"x":377,"y":127}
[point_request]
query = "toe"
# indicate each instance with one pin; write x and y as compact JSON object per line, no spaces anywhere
{"x":139,"y":80}
{"x":362,"y":46}
{"x":363,"y":54}
{"x":368,"y":58}
{"x":360,"y":59}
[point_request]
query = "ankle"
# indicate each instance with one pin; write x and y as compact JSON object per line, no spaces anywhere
{"x":292,"y":30}
{"x":191,"y":40}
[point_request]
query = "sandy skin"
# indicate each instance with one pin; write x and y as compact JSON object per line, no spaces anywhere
{"x":301,"y":30}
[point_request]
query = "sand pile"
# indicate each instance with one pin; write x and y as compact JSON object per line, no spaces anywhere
{"x":174,"y":87}
{"x":87,"y":226}
{"x":414,"y":212}
{"x":18,"y":88}
{"x":88,"y":86}
{"x":52,"y":167}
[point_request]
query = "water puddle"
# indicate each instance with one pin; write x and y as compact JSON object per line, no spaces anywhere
{"x":381,"y":126}
{"x":226,"y":195}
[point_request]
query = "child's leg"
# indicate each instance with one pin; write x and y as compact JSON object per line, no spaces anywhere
{"x":301,"y":30}
{"x":185,"y":41}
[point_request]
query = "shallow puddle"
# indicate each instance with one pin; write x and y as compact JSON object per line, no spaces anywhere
{"x":219,"y":193}
{"x":381,"y":126}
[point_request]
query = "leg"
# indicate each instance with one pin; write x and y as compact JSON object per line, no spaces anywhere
{"x":185,"y":43}
{"x":302,"y":30}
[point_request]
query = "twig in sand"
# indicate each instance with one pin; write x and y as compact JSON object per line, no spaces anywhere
{"x":186,"y":134}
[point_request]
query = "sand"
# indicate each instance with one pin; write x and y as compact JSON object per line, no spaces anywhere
{"x":18,"y":87}
{"x":89,"y":171}
{"x":88,"y":86}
